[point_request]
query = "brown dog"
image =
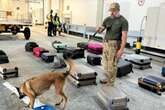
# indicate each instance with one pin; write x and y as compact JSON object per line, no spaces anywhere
{"x":38,"y":85}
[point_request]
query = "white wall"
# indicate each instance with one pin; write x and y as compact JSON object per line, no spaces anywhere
{"x":55,"y":5}
{"x":83,"y":11}
{"x":133,"y":12}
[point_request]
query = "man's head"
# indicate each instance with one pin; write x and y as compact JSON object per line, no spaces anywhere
{"x":51,"y":11}
{"x":114,"y":9}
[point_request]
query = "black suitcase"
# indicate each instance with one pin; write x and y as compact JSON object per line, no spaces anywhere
{"x":124,"y":68}
{"x":152,"y":83}
{"x":6,"y":71}
{"x":30,"y":45}
{"x":73,"y":52}
{"x":47,"y":57}
{"x":4,"y":59}
{"x":83,"y":45}
{"x":94,"y":60}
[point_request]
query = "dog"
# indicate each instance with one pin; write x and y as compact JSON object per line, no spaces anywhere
{"x":38,"y":85}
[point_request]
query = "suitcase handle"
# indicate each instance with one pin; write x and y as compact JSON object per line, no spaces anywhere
{"x":93,"y":35}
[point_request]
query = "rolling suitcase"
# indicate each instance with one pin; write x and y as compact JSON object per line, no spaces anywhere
{"x":59,"y":62}
{"x":124,"y":68}
{"x":30,"y":45}
{"x":112,"y":98}
{"x":79,"y":83}
{"x":94,"y":60}
{"x":4,"y":59}
{"x":37,"y":51}
{"x":73,"y":52}
{"x":7,"y":70}
{"x":83,"y":45}
{"x":47,"y":57}
{"x":163,"y":71}
{"x":59,"y":46}
{"x":95,"y":47}
{"x":83,"y":75}
{"x":152,"y":83}
{"x":138,"y":61}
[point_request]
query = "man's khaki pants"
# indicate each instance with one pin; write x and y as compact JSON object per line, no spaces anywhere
{"x":109,"y":60}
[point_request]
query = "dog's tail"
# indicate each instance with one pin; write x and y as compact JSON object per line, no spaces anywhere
{"x":71,"y":67}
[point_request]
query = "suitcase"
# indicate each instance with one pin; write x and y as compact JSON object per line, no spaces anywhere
{"x":138,"y":61}
{"x":79,"y":83}
{"x":83,"y":75}
{"x":7,"y":70}
{"x":73,"y":52}
{"x":94,"y":60}
{"x":163,"y":71}
{"x":59,"y":46}
{"x":59,"y":62}
{"x":124,"y":68}
{"x":112,"y":98}
{"x":152,"y":83}
{"x":4,"y":59}
{"x":2,"y":52}
{"x":44,"y":107}
{"x":84,"y":72}
{"x":30,"y":45}
{"x":95,"y":47}
{"x":83,"y":45}
{"x":47,"y":57}
{"x":37,"y":51}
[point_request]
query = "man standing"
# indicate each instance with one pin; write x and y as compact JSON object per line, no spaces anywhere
{"x":50,"y":23}
{"x":114,"y":42}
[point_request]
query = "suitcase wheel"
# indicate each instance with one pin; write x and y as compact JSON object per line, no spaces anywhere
{"x":95,"y":73}
{"x":94,"y":83}
{"x":4,"y":77}
{"x":16,"y":68}
{"x":126,"y":109}
{"x":5,"y":70}
{"x":78,"y":85}
{"x":141,"y":60}
{"x":128,"y":100}
{"x":16,"y":75}
{"x":79,"y":74}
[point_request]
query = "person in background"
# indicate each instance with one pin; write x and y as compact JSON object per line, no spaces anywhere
{"x":50,"y":23}
{"x":116,"y":27}
{"x":57,"y":25}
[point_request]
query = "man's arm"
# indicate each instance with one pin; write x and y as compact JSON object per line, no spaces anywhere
{"x":100,"y":29}
{"x":123,"y":43}
{"x":124,"y":40}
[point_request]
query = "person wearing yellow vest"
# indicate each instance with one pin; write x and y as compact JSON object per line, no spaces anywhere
{"x":57,"y":24}
{"x":50,"y":23}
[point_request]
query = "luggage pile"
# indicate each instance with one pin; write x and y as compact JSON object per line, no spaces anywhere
{"x":45,"y":55}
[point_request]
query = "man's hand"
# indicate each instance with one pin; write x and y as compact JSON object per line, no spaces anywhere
{"x":119,"y":53}
{"x":100,"y":29}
